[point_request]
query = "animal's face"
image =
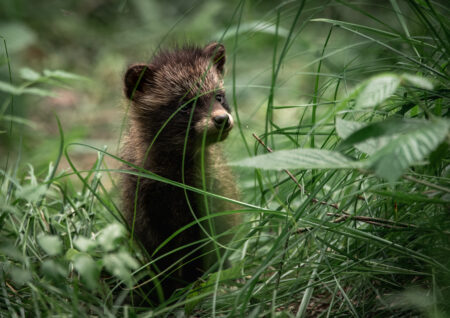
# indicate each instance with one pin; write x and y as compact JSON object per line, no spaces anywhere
{"x":179,"y":92}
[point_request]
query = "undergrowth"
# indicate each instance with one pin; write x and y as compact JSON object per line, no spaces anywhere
{"x":349,"y":216}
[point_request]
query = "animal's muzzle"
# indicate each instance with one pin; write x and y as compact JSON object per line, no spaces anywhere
{"x":223,"y":121}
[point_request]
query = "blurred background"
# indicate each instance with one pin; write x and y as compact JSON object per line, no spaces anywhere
{"x":74,"y":54}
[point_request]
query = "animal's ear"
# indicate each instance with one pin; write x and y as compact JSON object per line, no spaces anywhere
{"x":136,"y":76}
{"x":216,"y":52}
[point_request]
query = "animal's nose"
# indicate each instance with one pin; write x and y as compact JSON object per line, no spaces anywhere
{"x":222,"y":120}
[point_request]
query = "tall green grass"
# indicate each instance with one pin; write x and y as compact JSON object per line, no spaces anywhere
{"x":349,"y":216}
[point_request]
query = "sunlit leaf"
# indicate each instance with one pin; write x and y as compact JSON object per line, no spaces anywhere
{"x":109,"y":236}
{"x":391,"y":161}
{"x":346,"y":128}
{"x":51,"y":244}
{"x":299,"y":159}
{"x":120,"y":265}
{"x":14,"y":90}
{"x":29,"y":74}
{"x":71,"y":254}
{"x":377,"y":90}
{"x":88,"y":269}
{"x":84,"y":244}
{"x":31,"y":193}
{"x":64,"y":75}
{"x":371,"y":137}
{"x":417,"y":81}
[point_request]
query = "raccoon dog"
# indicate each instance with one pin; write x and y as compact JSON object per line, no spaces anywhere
{"x":178,"y":113}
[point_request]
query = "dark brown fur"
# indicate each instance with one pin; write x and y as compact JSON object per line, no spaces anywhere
{"x":156,"y":91}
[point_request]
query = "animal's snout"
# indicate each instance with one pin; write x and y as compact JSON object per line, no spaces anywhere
{"x":222,"y":120}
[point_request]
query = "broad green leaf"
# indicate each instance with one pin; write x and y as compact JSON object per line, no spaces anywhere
{"x":63,"y":75}
{"x":299,"y":159}
{"x":391,"y":161}
{"x":9,"y":249}
{"x":31,"y":193}
{"x":51,"y":244}
{"x":54,"y":270}
{"x":371,"y":137}
{"x":29,"y":74}
{"x":377,"y":90}
{"x":71,"y":254}
{"x":417,"y":81}
{"x":14,"y":90}
{"x":20,"y":276}
{"x":120,"y":265}
{"x":88,"y":269}
{"x":346,"y":128}
{"x":84,"y":244}
{"x":109,"y":236}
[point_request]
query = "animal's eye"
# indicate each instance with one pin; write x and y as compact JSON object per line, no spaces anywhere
{"x":220,"y":98}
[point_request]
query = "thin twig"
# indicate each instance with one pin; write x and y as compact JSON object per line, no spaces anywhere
{"x":428,"y":184}
{"x":285,"y":170}
{"x":314,"y":200}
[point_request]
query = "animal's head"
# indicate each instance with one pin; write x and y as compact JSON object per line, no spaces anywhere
{"x":181,"y":90}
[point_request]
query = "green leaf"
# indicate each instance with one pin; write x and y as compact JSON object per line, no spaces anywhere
{"x":88,"y":269}
{"x":51,"y":244}
{"x":377,"y":90}
{"x":29,"y":74}
{"x":14,"y":90}
{"x":346,"y":128}
{"x":63,"y":75}
{"x":31,"y":193}
{"x":71,"y":254}
{"x":110,"y":235}
{"x":371,"y":137}
{"x":417,"y":81}
{"x":299,"y":159}
{"x":84,"y":244}
{"x":120,"y":265}
{"x":9,"y":249}
{"x":20,"y":276}
{"x":411,"y":147}
{"x":54,"y":270}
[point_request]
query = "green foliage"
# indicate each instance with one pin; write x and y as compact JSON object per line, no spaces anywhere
{"x":299,"y":159}
{"x":353,"y":98}
{"x":393,"y":144}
